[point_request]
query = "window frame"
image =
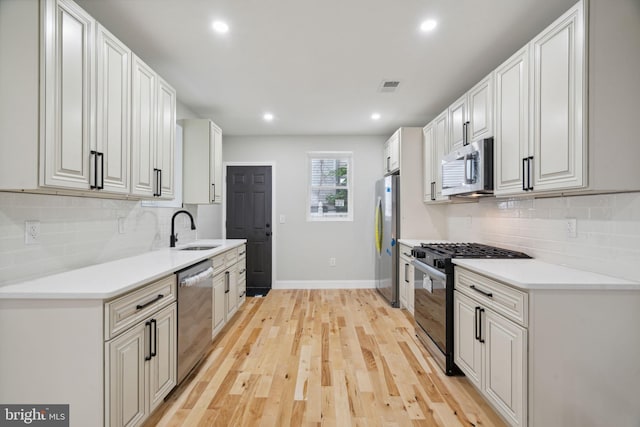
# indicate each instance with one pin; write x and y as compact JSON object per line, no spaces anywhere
{"x":330,"y":155}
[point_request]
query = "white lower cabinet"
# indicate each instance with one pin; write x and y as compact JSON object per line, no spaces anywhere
{"x":489,"y":346}
{"x":405,"y":279}
{"x":141,"y":366}
{"x":229,"y":284}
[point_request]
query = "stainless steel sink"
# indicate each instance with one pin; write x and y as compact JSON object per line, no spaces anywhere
{"x":199,"y":248}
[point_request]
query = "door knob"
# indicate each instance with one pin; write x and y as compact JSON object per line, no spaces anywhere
{"x":268,"y":233}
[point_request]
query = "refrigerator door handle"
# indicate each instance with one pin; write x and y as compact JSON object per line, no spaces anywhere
{"x":378,"y":226}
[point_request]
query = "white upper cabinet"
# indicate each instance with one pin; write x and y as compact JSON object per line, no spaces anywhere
{"x":68,"y":94}
{"x":557,"y":80}
{"x":429,"y":182}
{"x":110,"y":157}
{"x":202,"y":159}
{"x":153,"y":132}
{"x":392,"y":153}
{"x":166,"y":135}
{"x":86,"y":116}
{"x":441,"y":144}
{"x":471,"y":115}
{"x":143,"y":129}
{"x":511,"y":139}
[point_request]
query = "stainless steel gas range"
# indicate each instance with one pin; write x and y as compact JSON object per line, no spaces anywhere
{"x":433,"y":284}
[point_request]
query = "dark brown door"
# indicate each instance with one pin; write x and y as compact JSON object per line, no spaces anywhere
{"x":249,"y":217}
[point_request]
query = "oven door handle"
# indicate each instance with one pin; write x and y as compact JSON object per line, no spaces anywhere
{"x":428,"y":270}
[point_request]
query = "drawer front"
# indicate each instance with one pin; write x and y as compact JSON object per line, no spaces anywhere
{"x":242,"y":252}
{"x":242,"y":270}
{"x":218,"y":263}
{"x":231,"y":257}
{"x":510,"y":302}
{"x":405,"y":251}
{"x":125,"y":311}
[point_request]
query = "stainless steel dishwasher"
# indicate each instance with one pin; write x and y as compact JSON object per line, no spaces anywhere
{"x":195,"y":293}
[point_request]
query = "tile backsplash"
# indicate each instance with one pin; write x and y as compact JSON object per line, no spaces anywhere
{"x":607,"y":238}
{"x":78,"y":231}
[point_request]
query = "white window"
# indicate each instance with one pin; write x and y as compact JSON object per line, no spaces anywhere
{"x":330,"y":196}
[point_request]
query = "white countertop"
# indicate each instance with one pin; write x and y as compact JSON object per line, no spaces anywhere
{"x":531,"y":274}
{"x":107,"y":280}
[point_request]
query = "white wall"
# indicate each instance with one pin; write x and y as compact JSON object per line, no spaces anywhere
{"x":608,"y":229}
{"x":303,"y":248}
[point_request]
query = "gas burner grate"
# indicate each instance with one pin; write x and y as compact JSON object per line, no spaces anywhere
{"x":471,"y":250}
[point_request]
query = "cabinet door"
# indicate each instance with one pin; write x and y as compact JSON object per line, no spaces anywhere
{"x":125,"y":377}
{"x":557,"y":117}
{"x":505,"y":366}
{"x":232,"y":292}
{"x":511,"y":140}
{"x":410,"y":289}
{"x":480,"y":113}
{"x":242,"y":282}
{"x":394,"y":151}
{"x":69,"y":72}
{"x":441,"y":147}
{"x":467,"y":350}
{"x":427,"y":163}
{"x":402,"y":282}
{"x":165,"y":138}
{"x":113,"y":73}
{"x":163,"y":364}
{"x":219,"y":306}
{"x":458,"y":116}
{"x":216,"y":164}
{"x":143,"y":129}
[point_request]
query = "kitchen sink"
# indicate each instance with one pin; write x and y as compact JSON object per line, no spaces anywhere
{"x":199,"y":248}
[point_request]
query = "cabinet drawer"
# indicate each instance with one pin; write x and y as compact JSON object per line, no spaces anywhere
{"x":242,"y":252}
{"x":125,"y":311}
{"x":510,"y":302}
{"x":218,"y":263}
{"x":231,"y":257}
{"x":242,"y":270}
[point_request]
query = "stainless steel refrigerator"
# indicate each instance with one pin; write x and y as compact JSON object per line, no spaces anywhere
{"x":387,"y":230}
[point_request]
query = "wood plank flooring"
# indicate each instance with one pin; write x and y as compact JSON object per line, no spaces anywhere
{"x":321,"y":358}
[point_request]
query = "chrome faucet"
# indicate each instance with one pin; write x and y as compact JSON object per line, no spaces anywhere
{"x":174,"y":237}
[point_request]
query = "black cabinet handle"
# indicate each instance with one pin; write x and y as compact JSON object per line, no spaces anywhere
{"x":155,"y":182}
{"x":213,"y":199}
{"x":486,"y":294}
{"x":101,"y":186}
{"x":148,"y":303}
{"x":476,"y":318}
{"x":433,"y":191}
{"x":154,"y":329}
{"x":226,"y":282}
{"x":480,"y":332}
{"x":406,"y":272}
{"x":145,"y":329}
{"x":159,"y":182}
{"x":529,"y":163}
{"x":388,"y":164}
{"x":524,"y":174}
{"x":94,"y":157}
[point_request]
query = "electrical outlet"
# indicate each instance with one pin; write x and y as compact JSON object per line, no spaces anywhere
{"x":32,"y":232}
{"x":332,"y":262}
{"x":572,"y":227}
{"x":283,"y":219}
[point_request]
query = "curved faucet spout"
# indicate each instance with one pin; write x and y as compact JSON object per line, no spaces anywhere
{"x":174,"y":237}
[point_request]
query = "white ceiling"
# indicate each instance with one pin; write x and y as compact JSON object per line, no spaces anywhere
{"x":317,"y":64}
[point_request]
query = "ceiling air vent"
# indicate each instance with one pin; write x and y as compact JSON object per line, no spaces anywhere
{"x":389,"y":86}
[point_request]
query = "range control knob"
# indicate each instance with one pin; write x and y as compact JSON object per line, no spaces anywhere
{"x":418,"y":254}
{"x":438,"y":263}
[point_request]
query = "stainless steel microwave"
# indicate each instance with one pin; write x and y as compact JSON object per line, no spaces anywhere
{"x":468,"y":171}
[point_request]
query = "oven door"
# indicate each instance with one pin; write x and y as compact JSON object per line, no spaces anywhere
{"x":430,"y":305}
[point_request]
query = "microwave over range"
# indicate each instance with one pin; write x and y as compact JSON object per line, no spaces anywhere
{"x":468,"y":171}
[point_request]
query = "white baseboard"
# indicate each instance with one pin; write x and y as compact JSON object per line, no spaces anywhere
{"x":324,"y":284}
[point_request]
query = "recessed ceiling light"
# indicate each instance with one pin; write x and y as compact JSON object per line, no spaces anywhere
{"x":220,"y":27}
{"x":268,"y":117}
{"x":375,"y":116}
{"x":428,"y":25}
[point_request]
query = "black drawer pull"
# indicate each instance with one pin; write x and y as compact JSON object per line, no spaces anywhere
{"x":487,"y":294}
{"x":147,"y":304}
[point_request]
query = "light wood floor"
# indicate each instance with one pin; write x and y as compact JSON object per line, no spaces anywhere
{"x":321,"y":357}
